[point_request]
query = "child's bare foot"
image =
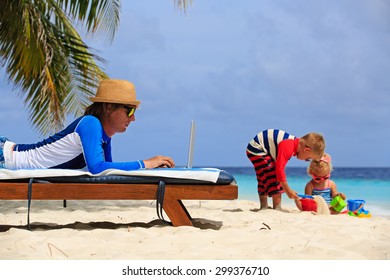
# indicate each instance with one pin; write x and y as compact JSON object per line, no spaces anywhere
{"x":277,"y":206}
{"x":261,"y":208}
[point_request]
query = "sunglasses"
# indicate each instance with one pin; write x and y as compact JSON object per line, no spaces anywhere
{"x":129,"y":110}
{"x":318,"y":179}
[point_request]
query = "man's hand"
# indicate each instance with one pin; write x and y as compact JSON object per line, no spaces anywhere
{"x":159,"y":161}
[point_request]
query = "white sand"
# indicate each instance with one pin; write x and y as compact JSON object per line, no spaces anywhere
{"x":118,"y":230}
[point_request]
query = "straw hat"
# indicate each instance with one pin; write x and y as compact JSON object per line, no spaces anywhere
{"x":116,"y":91}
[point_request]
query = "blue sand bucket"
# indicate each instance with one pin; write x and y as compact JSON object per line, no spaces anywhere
{"x":355,"y":204}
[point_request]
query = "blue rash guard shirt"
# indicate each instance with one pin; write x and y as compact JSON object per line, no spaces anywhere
{"x":82,"y":144}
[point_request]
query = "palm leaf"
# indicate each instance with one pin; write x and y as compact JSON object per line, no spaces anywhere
{"x":46,"y":59}
{"x":52,"y":69}
{"x":183,"y":4}
{"x":97,"y":15}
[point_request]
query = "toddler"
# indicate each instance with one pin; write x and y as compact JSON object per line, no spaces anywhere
{"x":320,"y":184}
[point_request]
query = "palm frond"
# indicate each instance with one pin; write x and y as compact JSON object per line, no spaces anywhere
{"x":183,"y":4}
{"x":47,"y":61}
{"x":96,"y":15}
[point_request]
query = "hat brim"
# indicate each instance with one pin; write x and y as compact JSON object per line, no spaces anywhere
{"x":107,"y":100}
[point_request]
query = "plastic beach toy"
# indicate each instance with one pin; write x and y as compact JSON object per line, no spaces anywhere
{"x":355,"y":204}
{"x":309,"y":204}
{"x":360,"y":213}
{"x":338,"y":203}
{"x":355,"y":207}
{"x":305,"y":196}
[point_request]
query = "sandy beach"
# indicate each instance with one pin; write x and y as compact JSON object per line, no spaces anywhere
{"x":224,"y":230}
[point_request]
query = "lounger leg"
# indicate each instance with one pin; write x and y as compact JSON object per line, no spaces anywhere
{"x":185,"y":209}
{"x":177,"y":212}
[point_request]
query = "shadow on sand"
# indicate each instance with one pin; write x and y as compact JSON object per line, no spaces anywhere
{"x":198,"y":223}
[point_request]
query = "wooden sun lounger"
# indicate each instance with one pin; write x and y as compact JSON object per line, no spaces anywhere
{"x":173,"y":193}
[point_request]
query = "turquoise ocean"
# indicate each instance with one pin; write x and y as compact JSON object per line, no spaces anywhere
{"x":369,"y":184}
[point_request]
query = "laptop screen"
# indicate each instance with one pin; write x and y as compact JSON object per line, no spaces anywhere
{"x":191,"y":146}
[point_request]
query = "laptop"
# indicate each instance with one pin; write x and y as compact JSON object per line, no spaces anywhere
{"x":191,"y":146}
{"x":190,"y":157}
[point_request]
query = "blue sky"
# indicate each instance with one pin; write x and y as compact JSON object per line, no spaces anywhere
{"x":239,"y":67}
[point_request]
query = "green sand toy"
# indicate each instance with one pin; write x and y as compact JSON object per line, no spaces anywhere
{"x":338,"y":203}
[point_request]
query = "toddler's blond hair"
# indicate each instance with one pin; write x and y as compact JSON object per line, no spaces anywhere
{"x":320,"y":166}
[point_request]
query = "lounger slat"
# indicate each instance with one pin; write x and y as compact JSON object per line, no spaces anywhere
{"x":75,"y":191}
{"x":172,"y":204}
